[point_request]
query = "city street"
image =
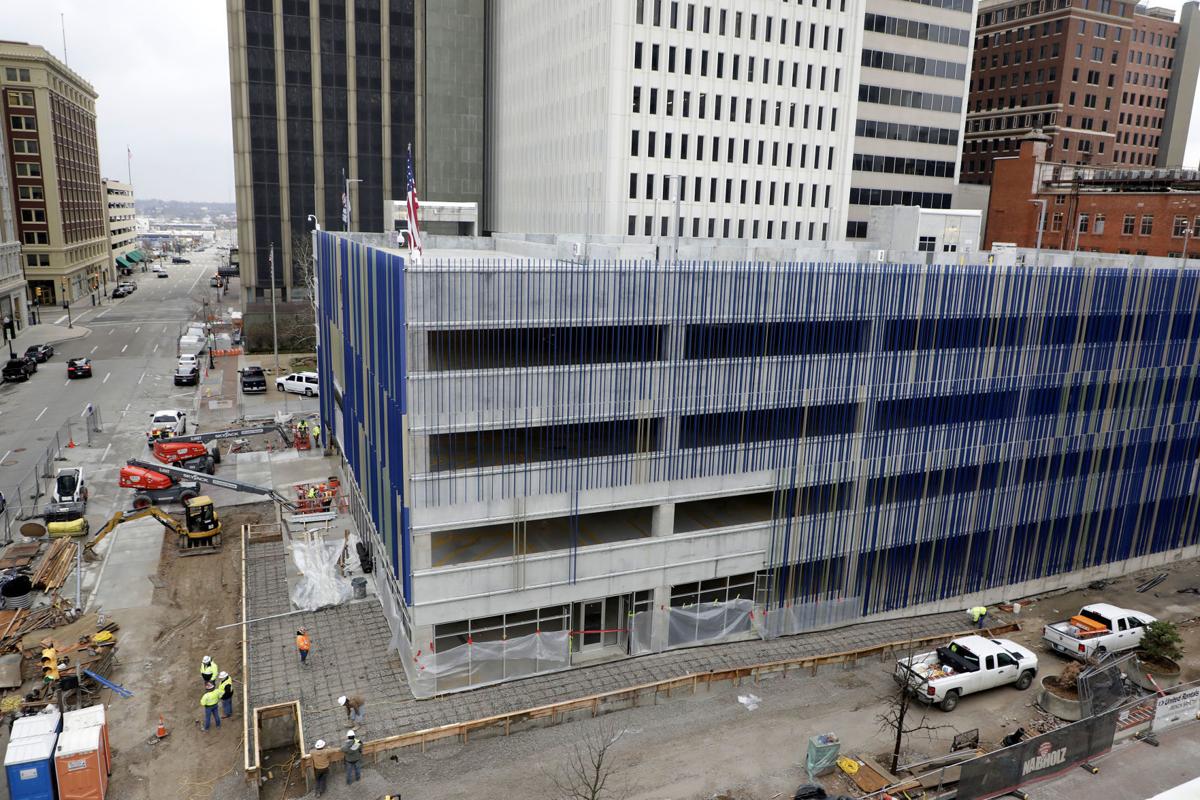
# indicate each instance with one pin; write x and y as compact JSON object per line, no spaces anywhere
{"x":132,"y":344}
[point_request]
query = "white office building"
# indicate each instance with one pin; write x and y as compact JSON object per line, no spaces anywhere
{"x":599,"y":110}
{"x":915,"y":67}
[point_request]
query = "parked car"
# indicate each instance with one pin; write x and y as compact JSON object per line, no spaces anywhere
{"x":69,"y":486}
{"x":167,"y":423}
{"x":1097,"y":629}
{"x":19,"y":369}
{"x":180,"y":260}
{"x":79,"y":368}
{"x":304,"y":383}
{"x":39,"y":352}
{"x":162,"y":274}
{"x":158,"y":268}
{"x":187,"y":374}
{"x":188,"y":358}
{"x":121,"y":291}
{"x":254,"y":379}
{"x":967,"y":665}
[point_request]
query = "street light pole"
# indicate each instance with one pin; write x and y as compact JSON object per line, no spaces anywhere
{"x":1075,"y":248}
{"x":1187,"y":236}
{"x":274,"y":319}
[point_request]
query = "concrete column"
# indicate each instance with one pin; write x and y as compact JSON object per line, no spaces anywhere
{"x":422,"y":552}
{"x":658,"y":633}
{"x":662,"y":522}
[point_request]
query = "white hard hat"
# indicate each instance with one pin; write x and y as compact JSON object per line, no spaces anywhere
{"x":342,"y":700}
{"x":206,"y":660}
{"x":350,"y":734}
{"x":319,"y":744}
{"x":223,"y":675}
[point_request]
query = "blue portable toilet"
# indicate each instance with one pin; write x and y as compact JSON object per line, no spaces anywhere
{"x":29,"y":765}
{"x":48,"y":721}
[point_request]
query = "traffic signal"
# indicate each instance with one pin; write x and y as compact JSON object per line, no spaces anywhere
{"x":49,"y":665}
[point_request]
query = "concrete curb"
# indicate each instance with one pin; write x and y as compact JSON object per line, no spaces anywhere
{"x":71,"y":334}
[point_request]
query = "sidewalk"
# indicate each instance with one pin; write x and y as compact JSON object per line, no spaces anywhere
{"x":47,"y":333}
{"x":1132,"y":771}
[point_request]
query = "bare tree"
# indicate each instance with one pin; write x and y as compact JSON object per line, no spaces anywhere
{"x":298,"y":327}
{"x":589,"y":769}
{"x":895,"y":717}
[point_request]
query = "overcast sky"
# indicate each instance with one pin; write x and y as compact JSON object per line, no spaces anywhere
{"x":162,"y":70}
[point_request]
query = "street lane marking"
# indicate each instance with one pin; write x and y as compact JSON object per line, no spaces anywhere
{"x":60,"y":319}
{"x":102,"y":313}
{"x":106,"y":449}
{"x":6,"y":455}
{"x":110,"y":331}
{"x":124,"y":348}
{"x":106,"y":377}
{"x":155,"y":348}
{"x":39,"y":416}
{"x":94,"y":349}
{"x":67,"y":382}
{"x":139,"y":381}
{"x":138,"y":328}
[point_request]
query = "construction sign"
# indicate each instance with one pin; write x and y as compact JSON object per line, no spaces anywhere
{"x":1175,"y":709}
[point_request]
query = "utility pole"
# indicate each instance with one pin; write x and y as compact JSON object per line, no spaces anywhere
{"x":274,"y":319}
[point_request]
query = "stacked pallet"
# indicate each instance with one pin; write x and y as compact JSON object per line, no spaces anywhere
{"x":55,"y":566}
{"x":25,"y":621}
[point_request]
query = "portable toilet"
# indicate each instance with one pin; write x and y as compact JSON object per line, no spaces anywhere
{"x":48,"y":721}
{"x":29,"y":767}
{"x":79,"y":765}
{"x":92,"y":716}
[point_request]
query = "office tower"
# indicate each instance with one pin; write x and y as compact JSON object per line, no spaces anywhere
{"x":1109,"y":82}
{"x":50,"y":124}
{"x":916,"y":61}
{"x":617,"y":118}
{"x":327,"y":97}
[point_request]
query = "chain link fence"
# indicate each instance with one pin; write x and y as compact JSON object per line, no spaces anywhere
{"x":25,"y":496}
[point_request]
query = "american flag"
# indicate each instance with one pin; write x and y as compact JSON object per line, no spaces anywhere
{"x":414,"y":226}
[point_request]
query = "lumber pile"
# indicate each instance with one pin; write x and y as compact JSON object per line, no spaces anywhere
{"x":55,"y":566}
{"x":23,"y":622}
{"x":19,"y":555}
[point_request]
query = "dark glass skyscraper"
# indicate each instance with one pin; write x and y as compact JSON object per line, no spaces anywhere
{"x":331,"y":90}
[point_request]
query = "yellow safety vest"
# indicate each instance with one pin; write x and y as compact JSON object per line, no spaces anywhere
{"x":212,"y":698}
{"x":228,"y":682}
{"x":977,"y":612}
{"x":210,"y":671}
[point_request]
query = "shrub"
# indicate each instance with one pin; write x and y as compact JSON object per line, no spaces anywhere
{"x":1160,"y":641}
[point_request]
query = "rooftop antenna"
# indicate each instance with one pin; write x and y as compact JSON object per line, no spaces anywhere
{"x":62,"y":19}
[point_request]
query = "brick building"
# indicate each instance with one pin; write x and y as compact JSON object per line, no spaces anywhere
{"x":1102,"y":209}
{"x":1109,"y":82}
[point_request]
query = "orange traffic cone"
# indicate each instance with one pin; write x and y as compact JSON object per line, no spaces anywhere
{"x":161,"y":731}
{"x":71,"y":443}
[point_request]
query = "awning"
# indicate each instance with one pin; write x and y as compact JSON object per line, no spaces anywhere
{"x":134,"y":255}
{"x":124,"y":262}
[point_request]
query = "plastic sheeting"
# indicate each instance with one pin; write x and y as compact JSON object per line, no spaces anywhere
{"x":480,"y":663}
{"x":321,"y":583}
{"x":641,"y":626}
{"x":822,"y":755}
{"x":799,"y":617}
{"x":702,"y":622}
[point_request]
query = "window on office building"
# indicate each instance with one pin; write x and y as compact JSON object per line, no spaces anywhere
{"x":1127,"y":225}
{"x":1147,"y":224}
{"x":1179,"y":226}
{"x":927,"y":244}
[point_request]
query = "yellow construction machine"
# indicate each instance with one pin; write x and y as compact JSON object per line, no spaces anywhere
{"x":199,"y":533}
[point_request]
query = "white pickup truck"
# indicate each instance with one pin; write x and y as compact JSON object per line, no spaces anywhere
{"x":1097,"y":629}
{"x":967,"y":665}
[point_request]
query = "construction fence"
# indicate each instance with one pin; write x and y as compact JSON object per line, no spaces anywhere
{"x":26,"y":495}
{"x":1048,"y":755}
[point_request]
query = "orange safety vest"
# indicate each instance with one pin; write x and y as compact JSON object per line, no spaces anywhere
{"x":302,"y":642}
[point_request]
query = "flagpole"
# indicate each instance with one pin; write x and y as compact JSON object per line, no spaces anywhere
{"x":129,"y":164}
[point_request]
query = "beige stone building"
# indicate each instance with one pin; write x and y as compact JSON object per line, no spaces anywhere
{"x":13,"y":317}
{"x":49,"y":118}
{"x":122,"y":228}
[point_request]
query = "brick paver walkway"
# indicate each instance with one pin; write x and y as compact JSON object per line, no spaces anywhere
{"x":350,"y":657}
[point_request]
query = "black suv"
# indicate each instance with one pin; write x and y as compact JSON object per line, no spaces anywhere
{"x":19,"y":369}
{"x":254,"y":380}
{"x":179,"y":260}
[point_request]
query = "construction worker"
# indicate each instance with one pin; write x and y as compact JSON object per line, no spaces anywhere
{"x":320,"y":764}
{"x":210,"y":700}
{"x":977,"y":614}
{"x":354,"y":707}
{"x":352,"y":755}
{"x":208,"y":670}
{"x":303,"y":645}
{"x":225,"y":684}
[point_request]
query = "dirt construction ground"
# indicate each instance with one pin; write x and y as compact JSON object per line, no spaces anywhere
{"x":160,"y":652}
